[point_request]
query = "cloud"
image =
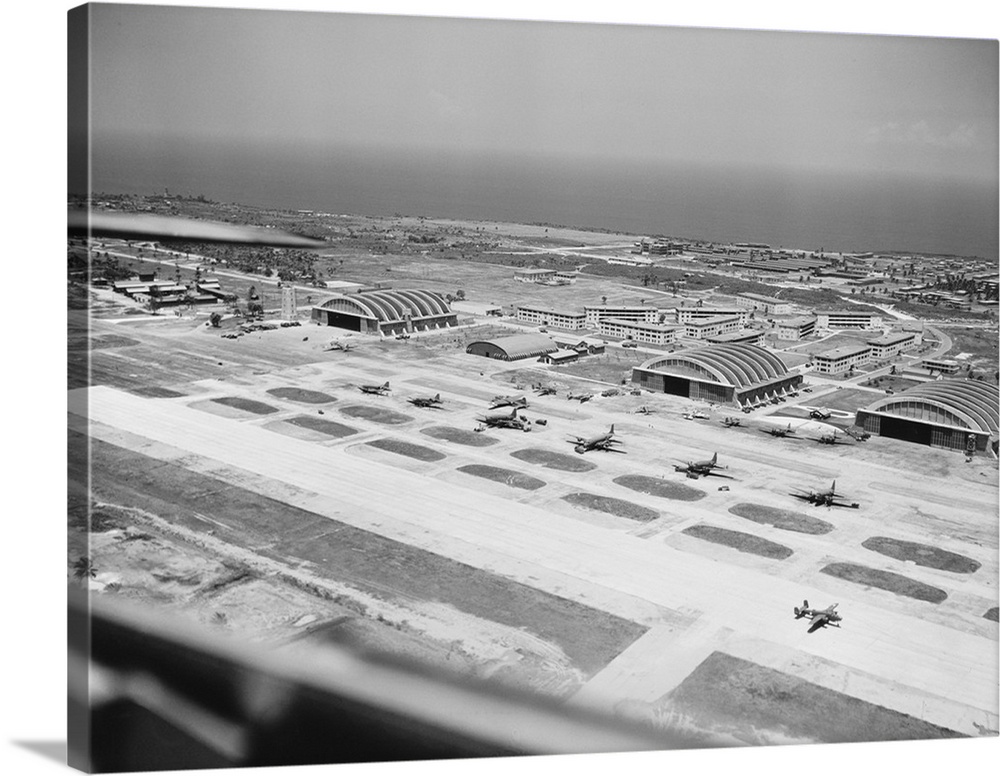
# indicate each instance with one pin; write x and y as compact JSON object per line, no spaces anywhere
{"x":921,"y":133}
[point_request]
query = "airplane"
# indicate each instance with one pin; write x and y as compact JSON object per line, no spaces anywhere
{"x":379,"y":390}
{"x":696,"y":469}
{"x":779,"y":432}
{"x":580,"y":397}
{"x":603,"y":442}
{"x":544,"y":390}
{"x":827,"y":498}
{"x":517,"y":402}
{"x":431,"y":402}
{"x":818,"y":618}
{"x":830,"y":439}
{"x":857,"y":434}
{"x":644,"y":410}
{"x":818,"y":414}
{"x":504,"y":421}
{"x":729,"y":422}
{"x":344,"y":346}
{"x":698,"y":414}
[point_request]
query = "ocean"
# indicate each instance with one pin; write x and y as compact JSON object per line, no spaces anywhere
{"x":832,"y":210}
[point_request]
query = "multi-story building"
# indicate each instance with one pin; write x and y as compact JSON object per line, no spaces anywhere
{"x":765,"y":304}
{"x":945,"y":366}
{"x":651,"y":333}
{"x":685,"y":314}
{"x":848,"y":319}
{"x":545,"y":316}
{"x":596,"y":313}
{"x":712,"y":327}
{"x":741,"y":337}
{"x":892,"y":345}
{"x":841,"y":360}
{"x":796,"y":328}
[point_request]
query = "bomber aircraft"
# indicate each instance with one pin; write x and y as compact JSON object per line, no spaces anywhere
{"x":695,"y":469}
{"x":777,"y":431}
{"x":827,"y":498}
{"x":503,"y":421}
{"x":544,"y":390}
{"x":831,"y":439}
{"x":818,"y":618}
{"x":347,"y":347}
{"x":517,"y":402}
{"x":580,"y":397}
{"x":644,"y":410}
{"x":604,"y":442}
{"x":378,"y":390}
{"x":730,"y":421}
{"x":432,"y":402}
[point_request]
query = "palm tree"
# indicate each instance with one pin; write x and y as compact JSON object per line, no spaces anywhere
{"x":83,"y":568}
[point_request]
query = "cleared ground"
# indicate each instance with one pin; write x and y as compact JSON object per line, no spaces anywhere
{"x":520,"y":584}
{"x":739,"y":540}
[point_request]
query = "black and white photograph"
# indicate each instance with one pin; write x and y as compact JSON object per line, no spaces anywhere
{"x":460,"y":385}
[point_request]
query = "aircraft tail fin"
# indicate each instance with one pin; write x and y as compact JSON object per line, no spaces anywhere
{"x":715,"y":458}
{"x":437,"y":397}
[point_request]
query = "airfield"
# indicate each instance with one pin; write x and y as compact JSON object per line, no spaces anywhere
{"x":265,"y":493}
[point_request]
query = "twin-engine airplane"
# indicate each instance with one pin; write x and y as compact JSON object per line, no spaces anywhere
{"x":378,"y":390}
{"x":818,"y":618}
{"x":503,"y":421}
{"x":517,"y":402}
{"x":777,"y":431}
{"x":825,"y":498}
{"x":604,"y":442}
{"x":580,"y":397}
{"x":432,"y":402}
{"x":695,"y":469}
{"x":833,"y":438}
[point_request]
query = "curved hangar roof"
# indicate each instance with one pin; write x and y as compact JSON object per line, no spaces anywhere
{"x":738,"y":365}
{"x":390,"y":305}
{"x":968,"y":404}
{"x":516,"y":346}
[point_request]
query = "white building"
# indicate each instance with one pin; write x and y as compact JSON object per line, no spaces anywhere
{"x":546,"y":316}
{"x":841,"y":360}
{"x":651,"y":333}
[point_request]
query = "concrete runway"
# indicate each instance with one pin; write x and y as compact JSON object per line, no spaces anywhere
{"x":935,"y":662}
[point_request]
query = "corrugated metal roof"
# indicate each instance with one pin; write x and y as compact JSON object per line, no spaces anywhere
{"x":523,"y":345}
{"x":971,"y":404}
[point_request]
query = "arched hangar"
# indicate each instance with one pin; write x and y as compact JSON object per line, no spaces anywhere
{"x":956,"y":414}
{"x":737,"y":374}
{"x":513,"y":348}
{"x":386,"y":311}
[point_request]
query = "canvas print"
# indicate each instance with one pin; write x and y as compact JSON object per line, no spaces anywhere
{"x":459,"y":388}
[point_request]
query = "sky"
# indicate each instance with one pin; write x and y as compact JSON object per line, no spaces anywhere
{"x":642,"y":94}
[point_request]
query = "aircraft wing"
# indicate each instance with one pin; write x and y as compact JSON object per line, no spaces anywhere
{"x":142,"y":226}
{"x":818,"y":621}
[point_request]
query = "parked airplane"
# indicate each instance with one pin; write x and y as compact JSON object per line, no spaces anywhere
{"x":827,"y":498}
{"x":604,"y":442}
{"x":644,"y":410}
{"x":378,"y":390}
{"x":430,"y":402}
{"x":858,"y":434}
{"x":518,"y":402}
{"x":818,"y":618}
{"x":503,"y":421}
{"x":696,"y":469}
{"x":729,"y":421}
{"x":344,"y":346}
{"x":831,"y":439}
{"x":818,"y":414}
{"x":778,"y":431}
{"x":580,"y":397}
{"x":544,"y":390}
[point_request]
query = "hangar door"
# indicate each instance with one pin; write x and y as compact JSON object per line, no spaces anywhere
{"x":677,"y":386}
{"x":905,"y":429}
{"x":342,"y":321}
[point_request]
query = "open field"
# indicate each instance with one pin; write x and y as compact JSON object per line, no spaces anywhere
{"x":249,"y":485}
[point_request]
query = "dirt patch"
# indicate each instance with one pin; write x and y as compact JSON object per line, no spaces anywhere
{"x":302,"y":395}
{"x":328,"y":427}
{"x":921,"y":554}
{"x":784,"y":519}
{"x":406,"y":448}
{"x":550,"y":460}
{"x":612,"y":506}
{"x":156,"y":392}
{"x":459,"y":436}
{"x":885,"y":580}
{"x":653,"y":486}
{"x":506,"y":476}
{"x":111,"y":341}
{"x":376,"y":415}
{"x":993,"y":614}
{"x":735,"y":698}
{"x":738,"y":540}
{"x":246,"y":405}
